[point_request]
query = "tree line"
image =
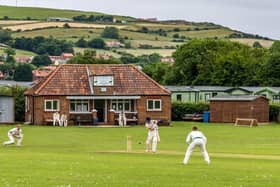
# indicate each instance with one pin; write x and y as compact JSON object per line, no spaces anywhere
{"x":220,"y":63}
{"x":94,"y":18}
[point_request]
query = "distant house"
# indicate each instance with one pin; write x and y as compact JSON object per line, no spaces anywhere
{"x":196,"y":94}
{"x":167,"y":59}
{"x":96,"y":94}
{"x":15,"y":83}
{"x":114,"y":44}
{"x":59,"y":19}
{"x":104,"y":56}
{"x":62,"y":59}
{"x":41,"y":73}
{"x":23,"y":59}
{"x":225,"y":109}
{"x":148,"y":19}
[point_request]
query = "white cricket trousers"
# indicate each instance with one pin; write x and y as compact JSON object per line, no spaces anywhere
{"x":197,"y":143}
{"x":152,"y":140}
{"x":12,"y":140}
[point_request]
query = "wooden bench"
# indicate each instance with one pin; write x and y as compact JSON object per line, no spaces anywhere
{"x":79,"y":119}
{"x":48,"y":121}
{"x":193,"y":117}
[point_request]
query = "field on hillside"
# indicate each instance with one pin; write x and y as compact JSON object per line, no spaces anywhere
{"x":42,"y":25}
{"x":62,"y":34}
{"x":44,"y":13}
{"x":19,"y":52}
{"x":85,"y":156}
{"x":250,"y":42}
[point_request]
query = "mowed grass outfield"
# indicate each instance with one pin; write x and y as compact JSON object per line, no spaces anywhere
{"x":85,"y":156}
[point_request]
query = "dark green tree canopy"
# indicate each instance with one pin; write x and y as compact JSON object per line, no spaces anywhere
{"x":23,"y":72}
{"x":41,"y":60}
{"x":110,"y":32}
{"x":217,"y":62}
{"x":97,"y":43}
{"x":5,"y":36}
{"x":82,"y":43}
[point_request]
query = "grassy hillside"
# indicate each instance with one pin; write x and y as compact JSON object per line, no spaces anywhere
{"x":19,"y":52}
{"x":86,"y":156}
{"x":160,"y":37}
{"x":42,"y":13}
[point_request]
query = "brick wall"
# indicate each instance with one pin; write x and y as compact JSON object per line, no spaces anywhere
{"x":40,"y":115}
{"x":227,"y":112}
{"x":165,"y":114}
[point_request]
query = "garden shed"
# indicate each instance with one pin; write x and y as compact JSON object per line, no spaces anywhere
{"x":225,"y":109}
{"x":6,"y":109}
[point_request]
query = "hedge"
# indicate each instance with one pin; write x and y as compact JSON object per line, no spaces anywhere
{"x":179,"y":109}
{"x":274,"y":111}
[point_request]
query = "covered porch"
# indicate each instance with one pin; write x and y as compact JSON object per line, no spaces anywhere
{"x":102,"y":110}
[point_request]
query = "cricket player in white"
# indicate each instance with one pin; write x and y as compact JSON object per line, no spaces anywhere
{"x":153,"y":135}
{"x":196,"y":139}
{"x":14,"y":133}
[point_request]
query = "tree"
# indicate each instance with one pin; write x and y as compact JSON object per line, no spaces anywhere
{"x":89,"y":58}
{"x":41,"y":60}
{"x":23,"y":72}
{"x":275,"y":48}
{"x":82,"y":43}
{"x":110,"y":32}
{"x":66,"y":26}
{"x":129,"y":59}
{"x":176,"y":35}
{"x":10,"y":53}
{"x":157,"y":71}
{"x":216,"y":62}
{"x":257,"y":44}
{"x":42,"y":45}
{"x":272,"y":69}
{"x":18,"y":94}
{"x":97,"y":43}
{"x":5,"y":36}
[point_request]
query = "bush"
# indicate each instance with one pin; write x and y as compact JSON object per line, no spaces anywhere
{"x":179,"y":109}
{"x":110,"y":32}
{"x":274,"y":112}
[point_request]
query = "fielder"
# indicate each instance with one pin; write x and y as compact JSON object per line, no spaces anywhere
{"x":15,"y":133}
{"x":196,"y":139}
{"x":153,"y":135}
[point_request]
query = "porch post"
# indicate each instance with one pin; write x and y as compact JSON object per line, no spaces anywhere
{"x":94,"y":116}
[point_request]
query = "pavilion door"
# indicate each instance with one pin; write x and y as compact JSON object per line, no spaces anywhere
{"x":99,"y":105}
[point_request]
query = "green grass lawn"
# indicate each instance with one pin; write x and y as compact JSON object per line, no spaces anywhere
{"x":19,"y":52}
{"x":44,"y":13}
{"x":80,"y":156}
{"x":72,"y":34}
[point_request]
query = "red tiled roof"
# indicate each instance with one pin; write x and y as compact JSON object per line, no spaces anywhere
{"x":73,"y":79}
{"x":67,"y":55}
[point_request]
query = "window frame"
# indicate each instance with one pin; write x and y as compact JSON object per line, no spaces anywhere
{"x":52,"y":105}
{"x":26,"y":104}
{"x":103,"y":80}
{"x":121,"y":102}
{"x":179,"y":97}
{"x":154,"y":104}
{"x":82,"y":103}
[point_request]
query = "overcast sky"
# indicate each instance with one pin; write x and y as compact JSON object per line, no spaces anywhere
{"x":252,"y":16}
